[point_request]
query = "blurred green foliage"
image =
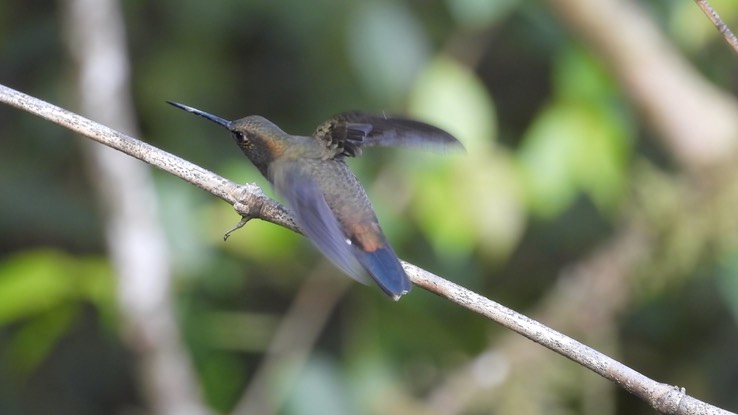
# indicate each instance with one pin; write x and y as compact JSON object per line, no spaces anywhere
{"x":40,"y":292}
{"x":553,"y":148}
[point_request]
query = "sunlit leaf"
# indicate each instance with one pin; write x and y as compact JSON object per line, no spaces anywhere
{"x":42,"y":291}
{"x":451,"y":96}
{"x":579,"y":143}
{"x":37,"y":281}
{"x":578,"y":76}
{"x":464,"y":199}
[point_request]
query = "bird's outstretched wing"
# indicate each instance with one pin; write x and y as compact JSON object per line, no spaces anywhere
{"x":347,"y":132}
{"x":304,"y":198}
{"x":357,"y":251}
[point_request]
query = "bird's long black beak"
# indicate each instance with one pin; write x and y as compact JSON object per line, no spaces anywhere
{"x":213,"y":118}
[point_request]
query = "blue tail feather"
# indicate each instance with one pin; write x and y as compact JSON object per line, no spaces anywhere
{"x":385,"y":269}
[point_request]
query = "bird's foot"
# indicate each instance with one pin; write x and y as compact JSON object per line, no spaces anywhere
{"x":245,"y":217}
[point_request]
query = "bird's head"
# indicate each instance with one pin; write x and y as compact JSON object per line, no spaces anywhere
{"x":259,"y":139}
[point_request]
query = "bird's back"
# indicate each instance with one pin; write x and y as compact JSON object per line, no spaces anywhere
{"x":350,"y":205}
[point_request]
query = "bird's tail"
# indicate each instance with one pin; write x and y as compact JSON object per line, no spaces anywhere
{"x":385,"y":269}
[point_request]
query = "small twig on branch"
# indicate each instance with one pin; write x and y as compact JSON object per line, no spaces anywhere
{"x":718,"y":22}
{"x":696,"y":121}
{"x":249,"y":201}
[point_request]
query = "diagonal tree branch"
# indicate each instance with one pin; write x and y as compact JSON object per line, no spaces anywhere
{"x":250,"y":202}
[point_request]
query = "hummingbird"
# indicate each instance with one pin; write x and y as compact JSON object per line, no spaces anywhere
{"x":327,"y":200}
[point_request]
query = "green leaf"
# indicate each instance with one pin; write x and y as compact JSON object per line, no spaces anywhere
{"x":452,"y":97}
{"x":42,"y":289}
{"x":37,"y":281}
{"x":464,"y":200}
{"x":572,"y":148}
{"x":35,"y":339}
{"x":580,"y":143}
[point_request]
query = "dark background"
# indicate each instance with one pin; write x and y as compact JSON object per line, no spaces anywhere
{"x":569,"y":207}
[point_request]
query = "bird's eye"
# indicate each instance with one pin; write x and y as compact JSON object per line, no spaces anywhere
{"x":242,"y":139}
